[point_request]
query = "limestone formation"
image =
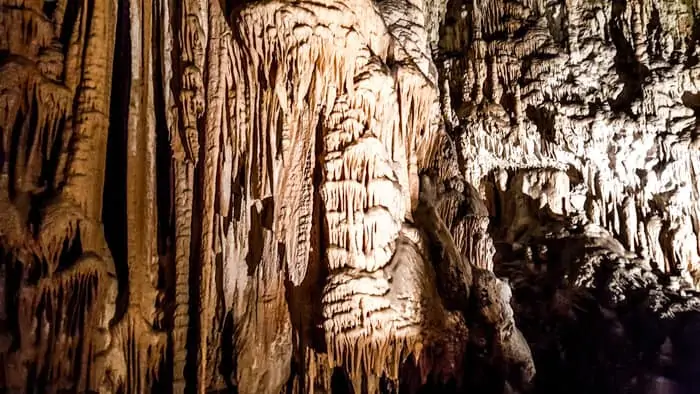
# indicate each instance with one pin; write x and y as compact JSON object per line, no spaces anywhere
{"x":366,"y":196}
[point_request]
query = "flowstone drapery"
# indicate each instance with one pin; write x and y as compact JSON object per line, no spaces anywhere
{"x":320,"y":196}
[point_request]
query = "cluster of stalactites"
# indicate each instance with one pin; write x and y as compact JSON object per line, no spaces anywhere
{"x":33,"y":36}
{"x":142,"y":348}
{"x":363,"y":194}
{"x":466,"y":216}
{"x":406,"y":21}
{"x":379,"y":125}
{"x":35,"y":108}
{"x":62,"y":328}
{"x":638,"y":173}
{"x":656,"y":221}
{"x":658,"y":226}
{"x":375,"y":104}
{"x":374,"y":128}
{"x":298,"y":67}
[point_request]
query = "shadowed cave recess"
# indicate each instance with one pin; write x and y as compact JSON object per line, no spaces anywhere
{"x":350,"y":196}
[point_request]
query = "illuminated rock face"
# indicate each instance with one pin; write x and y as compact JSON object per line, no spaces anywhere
{"x":320,"y":196}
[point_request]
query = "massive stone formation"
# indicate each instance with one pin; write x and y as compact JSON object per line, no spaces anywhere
{"x":349,"y":195}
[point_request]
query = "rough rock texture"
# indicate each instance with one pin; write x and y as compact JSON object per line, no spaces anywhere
{"x":328,"y":196}
{"x":579,"y":122}
{"x":587,"y":107}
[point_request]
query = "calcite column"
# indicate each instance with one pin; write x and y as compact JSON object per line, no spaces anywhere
{"x":329,"y":75}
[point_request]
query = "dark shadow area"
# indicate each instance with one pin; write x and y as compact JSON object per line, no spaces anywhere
{"x":692,"y":55}
{"x":227,"y":368}
{"x":543,"y":118}
{"x":585,"y":340}
{"x":630,"y":70}
{"x":304,"y":301}
{"x":115,"y":186}
{"x":340,"y":383}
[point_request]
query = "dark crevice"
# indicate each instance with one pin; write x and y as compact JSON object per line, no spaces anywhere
{"x":227,"y":368}
{"x":692,"y":54}
{"x":195,"y":270}
{"x":115,"y":186}
{"x":164,"y":206}
{"x":49,"y":8}
{"x":544,"y":119}
{"x":164,"y":171}
{"x":50,"y":178}
{"x":70,"y":18}
{"x":654,"y":31}
{"x":631,"y":72}
{"x":340,"y":383}
{"x":256,"y":242}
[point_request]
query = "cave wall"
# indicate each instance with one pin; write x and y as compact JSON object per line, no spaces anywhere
{"x":298,"y":196}
{"x":586,"y":107}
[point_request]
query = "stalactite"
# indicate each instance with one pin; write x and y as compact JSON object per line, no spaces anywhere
{"x":89,"y":141}
{"x":44,"y":103}
{"x":348,"y":188}
{"x":215,"y":90}
{"x":341,"y":308}
{"x":182,"y":189}
{"x":51,"y":332}
{"x":142,"y":347}
{"x":192,"y":39}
